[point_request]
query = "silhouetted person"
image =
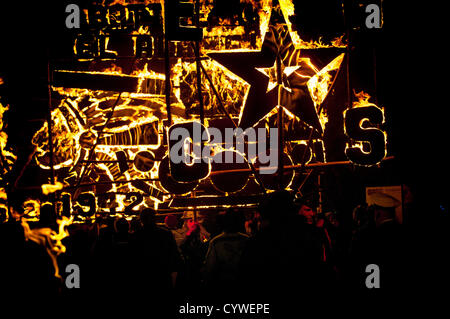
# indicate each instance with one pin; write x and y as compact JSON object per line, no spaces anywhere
{"x":383,"y":244}
{"x":282,"y":259}
{"x":121,"y":229}
{"x":321,"y":231}
{"x":193,"y":250}
{"x":121,"y":254}
{"x":171,"y":222}
{"x":157,"y":258}
{"x":223,"y":258}
{"x":252,"y":223}
{"x":26,"y":268}
{"x":388,"y":245}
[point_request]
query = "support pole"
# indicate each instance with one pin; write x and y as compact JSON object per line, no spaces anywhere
{"x":50,"y":135}
{"x":375,"y":80}
{"x":49,"y":124}
{"x":320,"y":189}
{"x":280,"y":147}
{"x":198,"y":66}
{"x":167,"y":71}
{"x":348,"y":25}
{"x":280,"y":125}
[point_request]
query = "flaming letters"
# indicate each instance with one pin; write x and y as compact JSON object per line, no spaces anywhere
{"x":129,"y":151}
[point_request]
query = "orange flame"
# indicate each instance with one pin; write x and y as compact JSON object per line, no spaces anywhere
{"x":8,"y":158}
{"x":31,"y":209}
{"x":362,"y":99}
{"x":51,"y":240}
{"x":51,"y":188}
{"x":288,"y":9}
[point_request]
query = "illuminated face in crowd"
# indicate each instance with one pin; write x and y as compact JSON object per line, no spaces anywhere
{"x":308,"y":213}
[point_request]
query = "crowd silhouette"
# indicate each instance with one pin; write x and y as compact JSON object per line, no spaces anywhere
{"x":283,"y":250}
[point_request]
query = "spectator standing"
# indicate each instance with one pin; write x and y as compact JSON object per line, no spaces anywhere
{"x":224,"y":255}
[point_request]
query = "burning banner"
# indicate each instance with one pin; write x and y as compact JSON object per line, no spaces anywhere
{"x":243,"y":65}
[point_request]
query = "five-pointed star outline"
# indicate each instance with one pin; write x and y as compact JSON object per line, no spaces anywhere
{"x":252,"y":67}
{"x":272,"y":74}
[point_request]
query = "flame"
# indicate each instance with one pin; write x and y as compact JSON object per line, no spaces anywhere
{"x":319,"y":85}
{"x":7,"y":160}
{"x":231,"y":88}
{"x":133,"y":118}
{"x":141,"y":31}
{"x":288,"y":9}
{"x":362,"y":99}
{"x":51,"y":188}
{"x":7,"y":157}
{"x":337,"y":42}
{"x":71,"y":132}
{"x":48,"y":238}
{"x":3,"y":202}
{"x":147,"y":74}
{"x":127,"y":2}
{"x":113,"y":69}
{"x":32,"y":209}
{"x":3,"y":193}
{"x":65,"y":136}
{"x":227,"y":35}
{"x":78,"y":119}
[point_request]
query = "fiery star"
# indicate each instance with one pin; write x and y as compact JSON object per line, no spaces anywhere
{"x":272,"y":74}
{"x":244,"y":65}
{"x":301,"y":95}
